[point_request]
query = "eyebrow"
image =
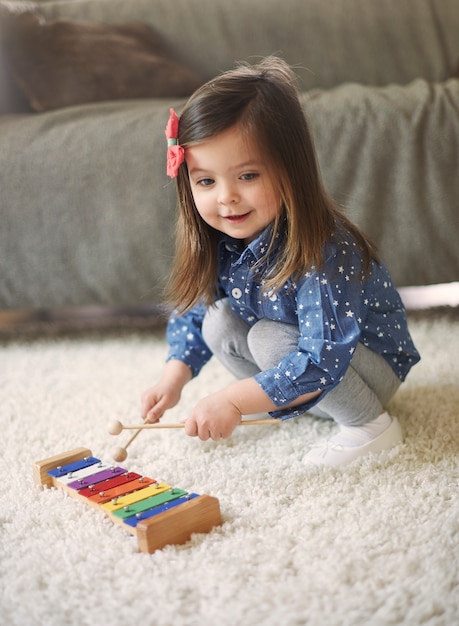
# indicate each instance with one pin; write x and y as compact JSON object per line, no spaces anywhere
{"x":240,"y":166}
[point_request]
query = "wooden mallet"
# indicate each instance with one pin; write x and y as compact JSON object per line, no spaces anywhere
{"x":116,"y":427}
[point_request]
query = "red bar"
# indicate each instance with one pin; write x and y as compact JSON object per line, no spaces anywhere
{"x":103,"y":492}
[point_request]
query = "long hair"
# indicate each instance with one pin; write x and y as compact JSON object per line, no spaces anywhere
{"x":263,"y":101}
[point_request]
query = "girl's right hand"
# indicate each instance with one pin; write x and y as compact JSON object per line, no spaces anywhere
{"x":156,"y":400}
{"x":166,"y":393}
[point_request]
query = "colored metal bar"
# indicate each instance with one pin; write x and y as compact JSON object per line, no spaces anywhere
{"x":130,"y":498}
{"x":106,"y":495}
{"x":62,"y":470}
{"x":86,"y":471}
{"x":149,"y":503}
{"x":139,"y":517}
{"x":98,"y":477}
{"x":93,"y":490}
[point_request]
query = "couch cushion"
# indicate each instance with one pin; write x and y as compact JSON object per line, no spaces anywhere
{"x":65,"y":62}
{"x":390,"y":157}
{"x":95,"y":221}
{"x":373,"y":42}
{"x":87,"y":210}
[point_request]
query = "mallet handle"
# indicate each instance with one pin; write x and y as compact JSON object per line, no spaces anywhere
{"x":181,"y":425}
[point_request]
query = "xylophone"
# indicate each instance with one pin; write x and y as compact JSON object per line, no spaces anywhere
{"x":157,"y":513}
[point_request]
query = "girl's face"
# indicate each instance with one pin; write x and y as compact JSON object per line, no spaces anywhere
{"x":232,"y":186}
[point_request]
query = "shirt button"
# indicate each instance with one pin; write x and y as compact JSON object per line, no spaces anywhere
{"x":236,"y":293}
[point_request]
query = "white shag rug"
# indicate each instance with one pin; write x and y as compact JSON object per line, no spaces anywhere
{"x":375,"y":544}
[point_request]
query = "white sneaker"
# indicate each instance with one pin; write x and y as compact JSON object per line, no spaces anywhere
{"x":336,"y":455}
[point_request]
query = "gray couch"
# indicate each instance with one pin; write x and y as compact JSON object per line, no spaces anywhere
{"x":86,"y":209}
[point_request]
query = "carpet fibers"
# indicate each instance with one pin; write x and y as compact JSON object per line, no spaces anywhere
{"x":374,"y":544}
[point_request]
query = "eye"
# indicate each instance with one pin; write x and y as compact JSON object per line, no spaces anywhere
{"x":205,"y":182}
{"x":250,"y":176}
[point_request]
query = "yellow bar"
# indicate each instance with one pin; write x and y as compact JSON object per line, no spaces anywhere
{"x":136,"y":496}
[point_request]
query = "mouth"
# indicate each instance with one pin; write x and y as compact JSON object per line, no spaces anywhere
{"x":236,"y":219}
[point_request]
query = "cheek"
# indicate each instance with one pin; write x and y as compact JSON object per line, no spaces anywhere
{"x":271,"y":198}
{"x":197,"y":198}
{"x":275,"y":203}
{"x":203,"y":206}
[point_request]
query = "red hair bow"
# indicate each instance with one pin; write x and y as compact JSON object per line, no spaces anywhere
{"x":175,"y":153}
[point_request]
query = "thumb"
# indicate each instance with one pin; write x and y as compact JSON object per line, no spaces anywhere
{"x":153,"y":415}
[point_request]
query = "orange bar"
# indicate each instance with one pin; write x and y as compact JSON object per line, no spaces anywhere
{"x":103,"y":495}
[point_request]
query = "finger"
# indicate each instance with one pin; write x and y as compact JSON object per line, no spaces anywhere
{"x":153,"y":416}
{"x":191,"y":428}
{"x":146,"y":407}
{"x":156,"y":412}
{"x":204,"y":434}
{"x":158,"y":409}
{"x":148,"y":396}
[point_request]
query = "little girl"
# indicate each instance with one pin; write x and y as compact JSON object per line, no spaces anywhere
{"x":271,"y":277}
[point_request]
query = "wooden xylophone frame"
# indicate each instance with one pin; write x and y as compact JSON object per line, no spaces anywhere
{"x":174,"y":526}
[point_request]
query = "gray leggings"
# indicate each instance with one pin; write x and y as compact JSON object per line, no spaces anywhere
{"x":367,"y":386}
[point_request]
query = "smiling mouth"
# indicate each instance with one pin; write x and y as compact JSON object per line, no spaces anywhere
{"x":237,"y":218}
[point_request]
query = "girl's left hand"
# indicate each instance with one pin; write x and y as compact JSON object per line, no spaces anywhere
{"x":214,"y":417}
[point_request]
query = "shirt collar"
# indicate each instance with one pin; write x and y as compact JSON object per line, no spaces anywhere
{"x":258,"y":247}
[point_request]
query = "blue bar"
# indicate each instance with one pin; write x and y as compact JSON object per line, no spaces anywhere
{"x":57,"y":472}
{"x":134,"y":520}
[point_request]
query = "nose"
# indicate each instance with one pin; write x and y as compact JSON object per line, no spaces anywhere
{"x":227,"y":193}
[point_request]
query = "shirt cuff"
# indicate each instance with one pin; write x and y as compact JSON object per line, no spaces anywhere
{"x":194,"y":361}
{"x":282,"y":390}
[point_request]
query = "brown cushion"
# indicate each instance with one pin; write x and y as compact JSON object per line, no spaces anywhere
{"x":61,"y":63}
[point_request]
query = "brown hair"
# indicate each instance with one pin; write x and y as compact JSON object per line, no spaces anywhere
{"x":263,"y":101}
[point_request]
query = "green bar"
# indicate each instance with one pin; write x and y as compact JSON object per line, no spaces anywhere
{"x":149,"y":503}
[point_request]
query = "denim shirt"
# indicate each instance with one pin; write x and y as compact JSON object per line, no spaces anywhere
{"x":333,"y":307}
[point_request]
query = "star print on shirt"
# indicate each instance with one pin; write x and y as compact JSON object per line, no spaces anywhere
{"x":333,"y":310}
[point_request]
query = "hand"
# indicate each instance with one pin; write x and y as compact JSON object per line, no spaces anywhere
{"x":156,"y":400}
{"x":166,"y":393}
{"x":214,"y":417}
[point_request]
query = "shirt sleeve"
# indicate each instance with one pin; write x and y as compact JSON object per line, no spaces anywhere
{"x":330,"y":308}
{"x":185,"y":339}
